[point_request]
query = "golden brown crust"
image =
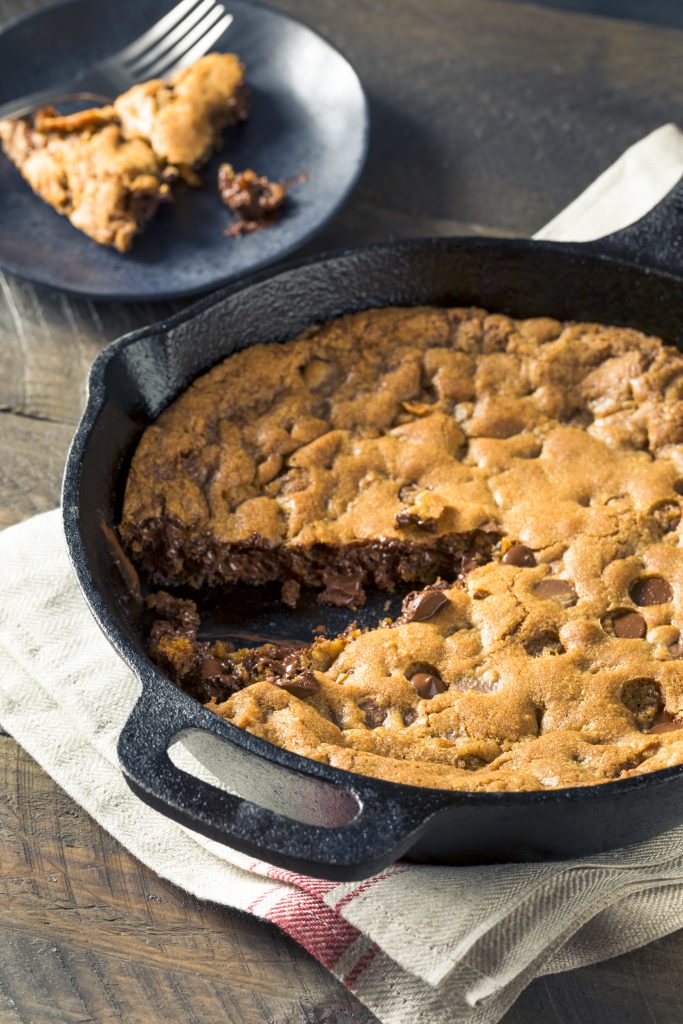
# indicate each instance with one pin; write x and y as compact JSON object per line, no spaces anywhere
{"x":48,"y":121}
{"x":183,"y":118}
{"x":552,"y":664}
{"x":107,"y":186}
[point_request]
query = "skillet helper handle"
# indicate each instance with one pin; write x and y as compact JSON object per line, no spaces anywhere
{"x":654,"y":240}
{"x":367,"y":828}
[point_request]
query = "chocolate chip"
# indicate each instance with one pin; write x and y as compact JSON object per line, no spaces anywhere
{"x":210,"y":668}
{"x":556,"y":590}
{"x":342,"y":590}
{"x":676,"y":648}
{"x":217,"y":679}
{"x":420,"y":606}
{"x":374,"y":715}
{"x":218,"y":689}
{"x":629,"y":625}
{"x":427,"y":684}
{"x":664,"y":722}
{"x":408,"y":491}
{"x":650,"y":590}
{"x":520,"y":556}
{"x":289,"y":673}
{"x":302,"y":685}
{"x":469,"y":563}
{"x":406,"y":518}
{"x":291,"y":665}
{"x":409,"y":717}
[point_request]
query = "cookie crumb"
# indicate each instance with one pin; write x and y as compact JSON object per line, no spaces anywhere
{"x":254,"y":199}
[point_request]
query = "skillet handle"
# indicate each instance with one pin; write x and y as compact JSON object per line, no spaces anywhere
{"x":656,"y":240}
{"x":349,"y":831}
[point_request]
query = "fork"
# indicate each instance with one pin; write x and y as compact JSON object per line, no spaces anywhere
{"x":175,"y":41}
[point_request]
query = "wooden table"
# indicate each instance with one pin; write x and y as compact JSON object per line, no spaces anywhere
{"x":488,"y":116}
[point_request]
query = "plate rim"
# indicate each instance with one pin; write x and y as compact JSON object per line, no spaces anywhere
{"x":34,"y":277}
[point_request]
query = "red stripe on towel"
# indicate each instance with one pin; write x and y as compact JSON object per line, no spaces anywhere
{"x":354,"y":974}
{"x":314,"y":926}
{"x":397,"y":869}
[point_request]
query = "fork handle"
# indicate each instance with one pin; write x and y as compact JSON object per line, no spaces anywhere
{"x":56,"y":93}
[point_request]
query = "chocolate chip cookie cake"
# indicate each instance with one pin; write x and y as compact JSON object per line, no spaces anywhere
{"x":523,"y":477}
{"x":108,"y":168}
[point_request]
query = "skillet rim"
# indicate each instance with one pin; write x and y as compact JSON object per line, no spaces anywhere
{"x":148,"y":674}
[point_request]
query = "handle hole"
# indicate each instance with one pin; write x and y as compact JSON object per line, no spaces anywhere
{"x":309,"y":801}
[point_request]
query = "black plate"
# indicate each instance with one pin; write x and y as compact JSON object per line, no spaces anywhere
{"x":308,"y":113}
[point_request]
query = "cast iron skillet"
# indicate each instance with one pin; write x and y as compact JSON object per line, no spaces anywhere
{"x":283,"y":808}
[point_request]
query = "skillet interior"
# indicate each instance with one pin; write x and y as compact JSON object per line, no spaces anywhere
{"x":136,"y":377}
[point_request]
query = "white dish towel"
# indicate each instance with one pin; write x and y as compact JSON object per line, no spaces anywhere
{"x":417,"y":944}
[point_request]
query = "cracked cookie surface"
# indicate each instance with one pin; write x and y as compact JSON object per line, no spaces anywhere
{"x":553,"y":450}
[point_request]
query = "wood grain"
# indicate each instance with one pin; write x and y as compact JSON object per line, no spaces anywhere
{"x":89,"y":934}
{"x":657,"y":12}
{"x":48,"y":341}
{"x":488,"y":116}
{"x":492,"y":113}
{"x":32,"y":454}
